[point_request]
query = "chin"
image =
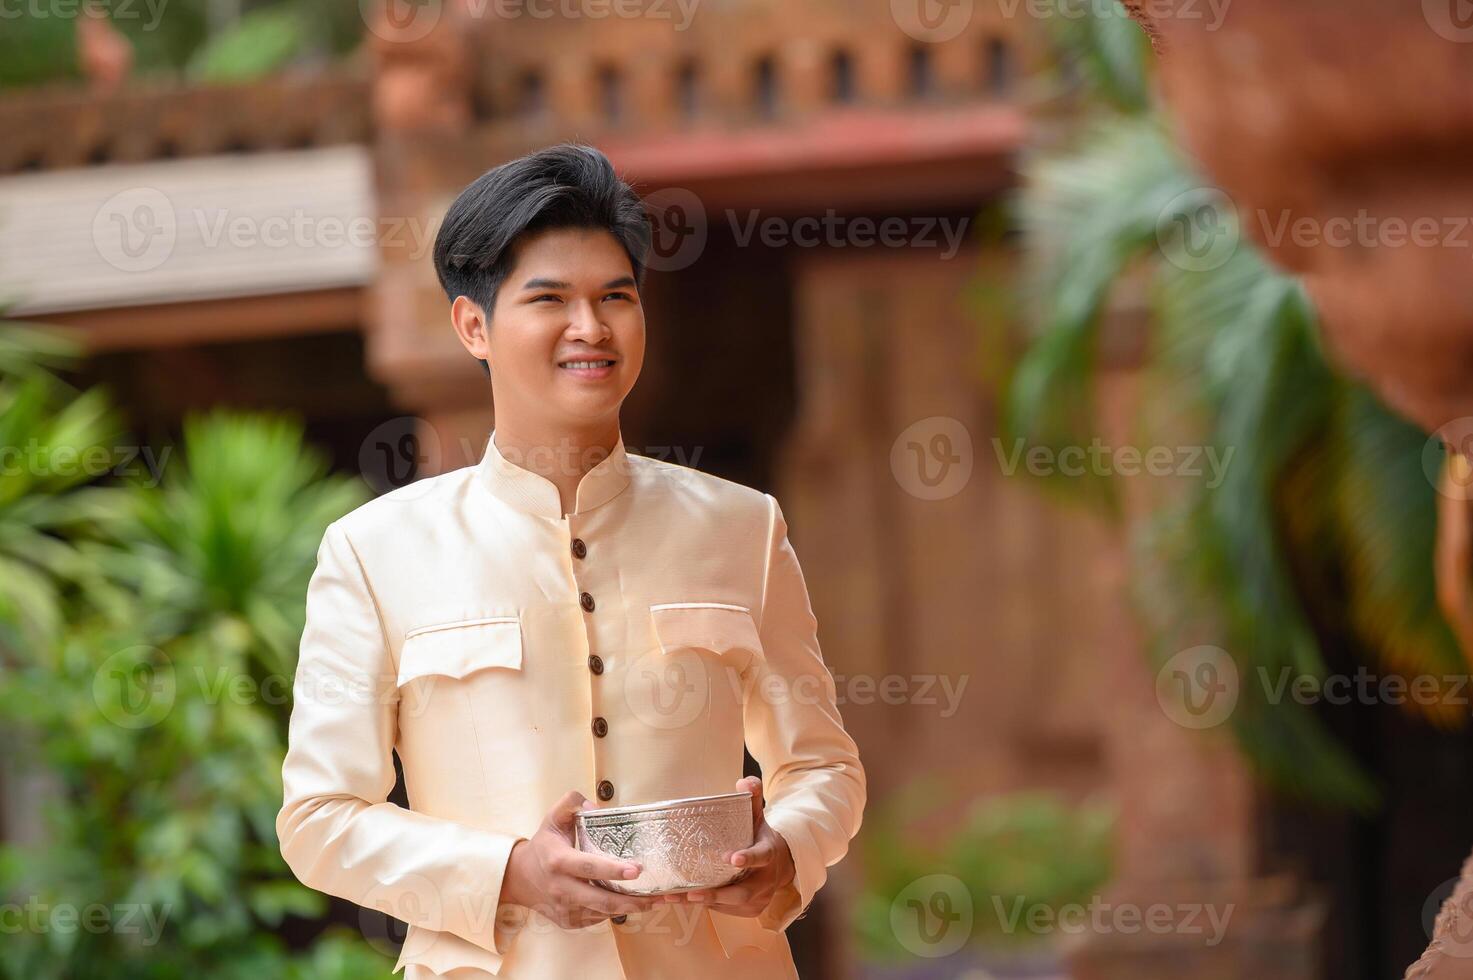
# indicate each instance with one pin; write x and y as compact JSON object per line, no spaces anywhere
{"x":590,"y":410}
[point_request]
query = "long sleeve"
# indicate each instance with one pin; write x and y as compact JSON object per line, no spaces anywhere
{"x":813,"y":782}
{"x":337,"y":831}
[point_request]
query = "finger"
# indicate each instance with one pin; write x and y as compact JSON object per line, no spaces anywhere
{"x":561,"y":814}
{"x":593,"y":867}
{"x":607,"y":902}
{"x":759,"y":855}
{"x":733,"y":895}
{"x":739,"y":900}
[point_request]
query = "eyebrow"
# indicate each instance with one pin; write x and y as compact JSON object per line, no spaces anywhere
{"x":559,"y":284}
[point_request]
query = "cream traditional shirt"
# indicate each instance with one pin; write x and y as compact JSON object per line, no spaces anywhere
{"x":510,"y":653}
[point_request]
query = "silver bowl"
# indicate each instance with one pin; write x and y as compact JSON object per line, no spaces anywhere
{"x":680,"y":844}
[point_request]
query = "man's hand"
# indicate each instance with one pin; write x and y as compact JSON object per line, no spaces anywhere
{"x":548,"y":873}
{"x":769,"y":858}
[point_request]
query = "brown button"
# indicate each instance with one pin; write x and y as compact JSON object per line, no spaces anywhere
{"x":595,"y":663}
{"x":600,"y":727}
{"x":619,"y":919}
{"x":605,"y":790}
{"x":580,"y":550}
{"x":586,"y":601}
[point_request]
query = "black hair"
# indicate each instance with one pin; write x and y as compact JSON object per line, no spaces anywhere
{"x":570,"y":185}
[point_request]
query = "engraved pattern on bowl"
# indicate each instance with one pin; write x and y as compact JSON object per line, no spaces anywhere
{"x":679,"y":843}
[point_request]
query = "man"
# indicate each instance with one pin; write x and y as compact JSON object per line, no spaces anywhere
{"x":561,"y":623}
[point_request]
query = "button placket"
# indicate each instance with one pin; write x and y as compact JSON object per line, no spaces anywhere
{"x":599,"y":725}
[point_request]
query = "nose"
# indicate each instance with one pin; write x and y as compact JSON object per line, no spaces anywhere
{"x":585,"y":324}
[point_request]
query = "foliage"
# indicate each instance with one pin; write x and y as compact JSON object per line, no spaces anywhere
{"x":1008,"y":852}
{"x":147,"y":669}
{"x":177,"y":38}
{"x":1324,"y":520}
{"x":51,"y":438}
{"x":261,"y":42}
{"x":1108,"y":52}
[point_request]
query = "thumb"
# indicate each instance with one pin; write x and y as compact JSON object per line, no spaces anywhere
{"x":753,"y":785}
{"x":561,"y":814}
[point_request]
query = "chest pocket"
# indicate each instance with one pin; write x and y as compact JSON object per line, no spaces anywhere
{"x":462,"y":648}
{"x":723,"y":628}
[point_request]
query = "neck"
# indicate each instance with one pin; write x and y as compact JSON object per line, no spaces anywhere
{"x":560,"y":453}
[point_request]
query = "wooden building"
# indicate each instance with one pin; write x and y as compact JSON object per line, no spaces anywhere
{"x":792,"y":347}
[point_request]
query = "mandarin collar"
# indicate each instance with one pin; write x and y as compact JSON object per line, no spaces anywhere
{"x":536,"y":494}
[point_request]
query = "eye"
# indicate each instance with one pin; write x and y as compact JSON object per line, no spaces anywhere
{"x":624,"y":296}
{"x":552,"y":296}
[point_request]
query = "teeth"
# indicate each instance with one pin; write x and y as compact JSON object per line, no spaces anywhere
{"x":585,"y":365}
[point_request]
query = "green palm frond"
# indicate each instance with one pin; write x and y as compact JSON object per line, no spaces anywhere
{"x":1109,"y":52}
{"x":1089,"y":217}
{"x":1324,"y":514}
{"x":52,"y":442}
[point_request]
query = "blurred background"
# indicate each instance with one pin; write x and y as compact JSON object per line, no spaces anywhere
{"x":1107,"y":396}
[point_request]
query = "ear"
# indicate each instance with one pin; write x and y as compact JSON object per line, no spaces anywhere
{"x":472,"y":326}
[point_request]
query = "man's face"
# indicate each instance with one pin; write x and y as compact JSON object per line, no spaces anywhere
{"x":566,"y":338}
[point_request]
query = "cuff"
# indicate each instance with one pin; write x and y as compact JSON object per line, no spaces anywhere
{"x":809,"y":871}
{"x":471,"y":898}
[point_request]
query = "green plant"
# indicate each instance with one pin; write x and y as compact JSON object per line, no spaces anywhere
{"x":1009,"y":853}
{"x":198,"y":39}
{"x":148,"y":664}
{"x":1324,"y":520}
{"x":54,"y":440}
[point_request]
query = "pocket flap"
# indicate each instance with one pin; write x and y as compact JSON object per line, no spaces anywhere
{"x":461,"y":648}
{"x":717,"y":626}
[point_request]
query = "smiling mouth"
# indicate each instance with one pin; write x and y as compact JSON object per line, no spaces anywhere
{"x":586,"y":365}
